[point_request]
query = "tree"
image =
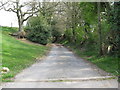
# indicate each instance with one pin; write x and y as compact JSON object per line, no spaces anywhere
{"x":23,"y":10}
{"x":72,"y":14}
{"x":99,"y":30}
{"x":52,"y":11}
{"x":74,"y":19}
{"x":55,"y":30}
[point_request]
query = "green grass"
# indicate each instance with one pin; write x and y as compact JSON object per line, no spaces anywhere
{"x":107,"y":63}
{"x":18,"y":55}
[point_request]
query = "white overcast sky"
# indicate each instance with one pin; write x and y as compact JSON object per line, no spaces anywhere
{"x":8,"y":18}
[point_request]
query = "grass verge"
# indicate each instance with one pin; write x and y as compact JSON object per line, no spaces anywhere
{"x":17,"y":55}
{"x":106,"y":63}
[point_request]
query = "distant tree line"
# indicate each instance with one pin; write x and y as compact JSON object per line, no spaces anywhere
{"x":84,"y":24}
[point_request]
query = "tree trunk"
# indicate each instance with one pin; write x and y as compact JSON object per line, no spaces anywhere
{"x":20,"y":26}
{"x":74,"y":35}
{"x":20,"y":20}
{"x":99,"y":30}
{"x":73,"y":22}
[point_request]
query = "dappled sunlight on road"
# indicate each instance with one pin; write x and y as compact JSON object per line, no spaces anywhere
{"x":62,"y":69}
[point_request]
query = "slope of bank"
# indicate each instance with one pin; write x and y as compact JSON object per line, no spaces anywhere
{"x":17,"y":55}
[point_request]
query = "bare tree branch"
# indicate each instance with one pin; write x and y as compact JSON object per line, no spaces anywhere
{"x":2,"y":4}
{"x":23,"y":10}
{"x":27,"y":17}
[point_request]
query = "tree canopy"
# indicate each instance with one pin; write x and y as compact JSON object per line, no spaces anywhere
{"x":84,"y":24}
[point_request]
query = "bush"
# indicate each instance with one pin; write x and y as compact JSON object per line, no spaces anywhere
{"x":38,"y":30}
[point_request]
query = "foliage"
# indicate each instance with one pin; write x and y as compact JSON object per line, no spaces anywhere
{"x":68,"y":34}
{"x":88,"y":11}
{"x":86,"y":30}
{"x":55,"y":31}
{"x":115,"y":30}
{"x":39,"y":30}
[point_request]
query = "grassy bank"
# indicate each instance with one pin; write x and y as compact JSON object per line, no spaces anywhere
{"x":18,"y":55}
{"x":107,"y":63}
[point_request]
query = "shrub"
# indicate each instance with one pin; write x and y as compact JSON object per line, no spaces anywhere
{"x":38,"y":30}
